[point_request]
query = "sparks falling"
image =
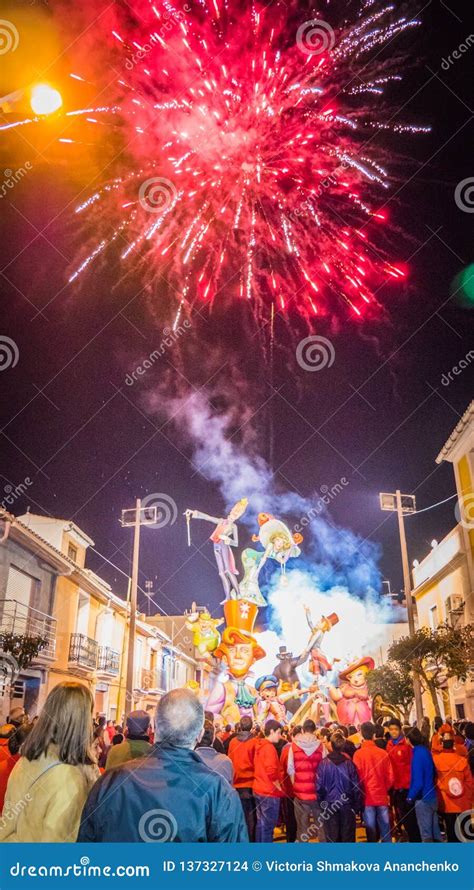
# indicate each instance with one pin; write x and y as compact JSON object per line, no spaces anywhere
{"x":252,"y":168}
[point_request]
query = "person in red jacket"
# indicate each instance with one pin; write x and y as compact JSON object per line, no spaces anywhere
{"x":304,"y":756}
{"x":453,"y":784}
{"x":242,"y":749}
{"x":376,"y":776}
{"x":14,"y":742}
{"x":401,"y":756}
{"x":268,"y":783}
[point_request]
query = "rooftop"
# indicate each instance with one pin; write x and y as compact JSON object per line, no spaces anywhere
{"x":457,"y":434}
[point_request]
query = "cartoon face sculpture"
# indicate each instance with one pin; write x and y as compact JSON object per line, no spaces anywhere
{"x":358,"y":678}
{"x":239,"y":650}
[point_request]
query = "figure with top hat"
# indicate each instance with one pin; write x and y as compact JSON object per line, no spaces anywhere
{"x":232,"y":696}
{"x":224,"y":537}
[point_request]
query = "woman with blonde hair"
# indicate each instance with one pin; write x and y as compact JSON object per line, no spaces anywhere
{"x":48,"y":787}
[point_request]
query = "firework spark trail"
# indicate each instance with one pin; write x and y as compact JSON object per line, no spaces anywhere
{"x":251,"y":148}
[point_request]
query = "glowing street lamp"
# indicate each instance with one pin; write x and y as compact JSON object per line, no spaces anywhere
{"x":45,"y":99}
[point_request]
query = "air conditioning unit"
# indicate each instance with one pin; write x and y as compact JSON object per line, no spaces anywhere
{"x":454,"y":603}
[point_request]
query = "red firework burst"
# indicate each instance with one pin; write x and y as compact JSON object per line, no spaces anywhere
{"x":251,"y":167}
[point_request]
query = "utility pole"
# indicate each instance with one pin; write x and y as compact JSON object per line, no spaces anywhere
{"x":405,"y":503}
{"x":134,"y":518}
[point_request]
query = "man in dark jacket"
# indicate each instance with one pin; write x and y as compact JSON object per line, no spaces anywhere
{"x":339,"y":793}
{"x":170,"y":795}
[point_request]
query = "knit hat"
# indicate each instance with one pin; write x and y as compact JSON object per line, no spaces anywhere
{"x":138,"y":722}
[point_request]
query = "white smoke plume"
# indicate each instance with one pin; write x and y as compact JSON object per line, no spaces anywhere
{"x":225,"y":451}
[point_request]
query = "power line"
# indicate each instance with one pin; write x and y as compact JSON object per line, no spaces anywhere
{"x":432,"y":506}
{"x":128,"y":578}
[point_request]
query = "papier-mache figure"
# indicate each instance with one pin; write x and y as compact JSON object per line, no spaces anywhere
{"x":278,"y":543}
{"x":224,"y":537}
{"x":271,"y":702}
{"x":233,"y":697}
{"x":319,"y":665}
{"x":203,"y":627}
{"x":351,"y":697}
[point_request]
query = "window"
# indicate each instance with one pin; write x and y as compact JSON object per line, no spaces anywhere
{"x":83,"y":607}
{"x":72,"y":552}
{"x":21,"y":588}
{"x":433,"y":616}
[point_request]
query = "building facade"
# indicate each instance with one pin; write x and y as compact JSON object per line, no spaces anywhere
{"x":46,"y":591}
{"x":443,"y":581}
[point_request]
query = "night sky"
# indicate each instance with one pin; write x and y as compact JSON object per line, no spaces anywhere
{"x":378,"y":416}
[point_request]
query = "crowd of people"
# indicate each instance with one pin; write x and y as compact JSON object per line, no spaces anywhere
{"x":180,"y":776}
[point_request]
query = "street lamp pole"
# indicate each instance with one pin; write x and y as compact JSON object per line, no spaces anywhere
{"x":133,"y":612}
{"x":409,"y":599}
{"x":394,"y":502}
{"x":134,"y":518}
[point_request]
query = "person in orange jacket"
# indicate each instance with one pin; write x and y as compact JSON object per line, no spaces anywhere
{"x":242,"y":749}
{"x":436,"y":741}
{"x":401,"y":756}
{"x":268,"y":783}
{"x":453,"y":782}
{"x":377,"y":778}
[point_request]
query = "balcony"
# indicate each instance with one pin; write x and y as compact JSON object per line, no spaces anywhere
{"x":108,"y":661}
{"x":152,"y":681}
{"x":18,"y":618}
{"x":83,"y":651}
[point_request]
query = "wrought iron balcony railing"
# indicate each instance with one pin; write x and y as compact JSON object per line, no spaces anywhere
{"x":108,"y":660}
{"x":18,"y":618}
{"x":83,"y":651}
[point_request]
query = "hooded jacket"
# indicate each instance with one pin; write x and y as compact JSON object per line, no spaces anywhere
{"x":241,"y":751}
{"x":337,"y":780}
{"x":422,"y":784}
{"x":170,"y":795}
{"x":304,"y":757}
{"x":375,"y":773}
{"x":401,"y":755}
{"x":453,"y":781}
